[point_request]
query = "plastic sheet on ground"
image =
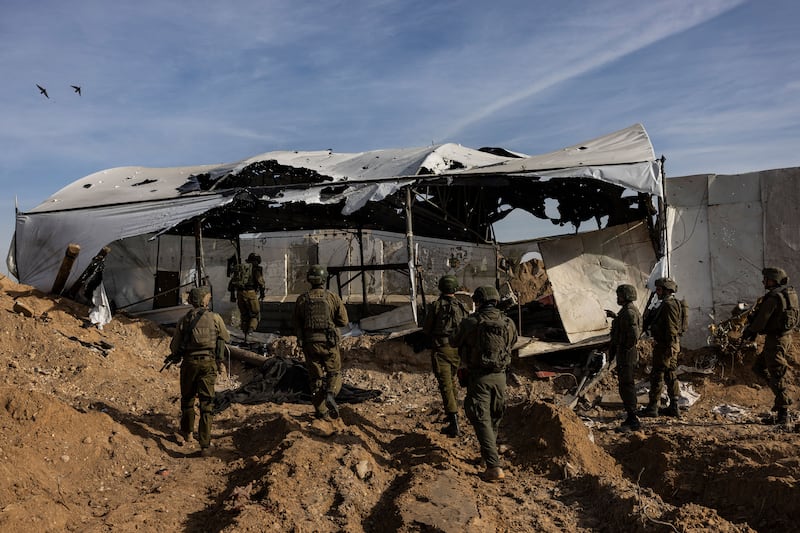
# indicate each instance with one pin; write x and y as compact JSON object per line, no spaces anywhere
{"x":284,"y":380}
{"x":729,"y":410}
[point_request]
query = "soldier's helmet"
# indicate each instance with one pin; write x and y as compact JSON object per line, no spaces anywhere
{"x":667,"y":284}
{"x":776,"y":274}
{"x":317,"y":275}
{"x":627,"y":292}
{"x":254,"y":258}
{"x":448,"y":284}
{"x":197,"y":294}
{"x":485,"y":294}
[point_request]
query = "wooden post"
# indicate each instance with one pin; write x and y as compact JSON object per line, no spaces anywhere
{"x":70,"y":256}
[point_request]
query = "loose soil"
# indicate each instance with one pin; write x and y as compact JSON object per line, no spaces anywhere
{"x":88,"y":444}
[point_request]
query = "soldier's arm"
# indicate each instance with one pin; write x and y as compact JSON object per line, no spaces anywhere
{"x":629,"y":329}
{"x":339,"y":311}
{"x":513,"y":333}
{"x":674,"y":317}
{"x":762,"y":315}
{"x":222,"y":331}
{"x":297,"y":317}
{"x":430,"y":314}
{"x":177,"y":339}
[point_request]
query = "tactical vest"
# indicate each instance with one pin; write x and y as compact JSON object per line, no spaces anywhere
{"x":202,"y":339}
{"x":317,"y":325}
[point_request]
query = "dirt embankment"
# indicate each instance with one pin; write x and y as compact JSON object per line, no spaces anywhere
{"x":87,"y":444}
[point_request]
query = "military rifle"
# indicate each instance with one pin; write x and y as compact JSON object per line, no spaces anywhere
{"x":169,"y":361}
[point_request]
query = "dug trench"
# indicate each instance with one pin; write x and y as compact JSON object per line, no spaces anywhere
{"x":88,"y":444}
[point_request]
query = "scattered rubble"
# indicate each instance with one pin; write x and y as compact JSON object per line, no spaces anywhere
{"x":87,"y":444}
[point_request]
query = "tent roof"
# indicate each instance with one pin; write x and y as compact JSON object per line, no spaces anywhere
{"x":461,"y":193}
{"x":604,"y":158}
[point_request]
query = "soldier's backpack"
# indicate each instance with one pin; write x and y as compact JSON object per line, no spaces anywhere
{"x":791,"y":312}
{"x":317,"y":326}
{"x":451,"y":311}
{"x":495,"y":355}
{"x":242,"y":276}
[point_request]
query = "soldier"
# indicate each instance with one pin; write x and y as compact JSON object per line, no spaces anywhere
{"x":775,"y":317}
{"x":318,"y":314}
{"x":199,"y":343}
{"x":443,"y":317}
{"x":248,"y":283}
{"x":665,"y":324}
{"x":485,"y":339}
{"x":625,"y":331}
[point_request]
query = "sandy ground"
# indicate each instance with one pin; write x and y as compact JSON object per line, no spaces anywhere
{"x":88,"y":423}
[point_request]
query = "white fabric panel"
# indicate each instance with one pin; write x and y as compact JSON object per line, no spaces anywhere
{"x":624,"y":147}
{"x":586,"y":269}
{"x":780,"y":193}
{"x":643,"y":177}
{"x":131,"y":268}
{"x":736,"y":246}
{"x":690,"y":267}
{"x":42,"y":238}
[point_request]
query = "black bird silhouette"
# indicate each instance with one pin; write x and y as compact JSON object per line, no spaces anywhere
{"x":76,"y":88}
{"x":43,"y":91}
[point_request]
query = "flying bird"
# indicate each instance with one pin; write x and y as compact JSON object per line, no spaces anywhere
{"x":76,"y":88}
{"x":43,"y":91}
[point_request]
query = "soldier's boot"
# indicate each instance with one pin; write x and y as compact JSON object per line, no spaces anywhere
{"x":673,"y":409}
{"x":333,"y":409}
{"x":631,"y":423}
{"x":493,"y":474}
{"x":783,"y":416}
{"x":452,"y":429}
{"x":651,"y":411}
{"x":205,"y":452}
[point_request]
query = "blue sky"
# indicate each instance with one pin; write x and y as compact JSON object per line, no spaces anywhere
{"x":716,"y":83}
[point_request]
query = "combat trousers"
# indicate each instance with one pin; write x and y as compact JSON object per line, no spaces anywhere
{"x":249,"y":309}
{"x":773,"y":364}
{"x":665,"y":362}
{"x":626,"y":366}
{"x":445,"y":362}
{"x":324,"y":364}
{"x":198,"y":377}
{"x":485,"y":405}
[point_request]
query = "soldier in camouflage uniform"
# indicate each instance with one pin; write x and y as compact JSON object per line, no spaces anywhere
{"x":768,"y":318}
{"x":441,"y":320}
{"x":249,"y":295}
{"x":664,"y":324}
{"x":485,"y":380}
{"x":318,"y":315}
{"x":199,"y":343}
{"x":625,"y":331}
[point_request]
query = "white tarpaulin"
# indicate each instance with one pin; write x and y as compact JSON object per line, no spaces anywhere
{"x":586,"y":269}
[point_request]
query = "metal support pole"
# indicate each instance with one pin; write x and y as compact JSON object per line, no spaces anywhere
{"x":364,"y":303}
{"x":412,"y":256}
{"x":198,"y":253}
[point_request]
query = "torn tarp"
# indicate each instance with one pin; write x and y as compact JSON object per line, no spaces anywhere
{"x":284,"y":380}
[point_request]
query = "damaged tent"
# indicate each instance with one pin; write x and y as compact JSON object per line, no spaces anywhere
{"x":387,"y":223}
